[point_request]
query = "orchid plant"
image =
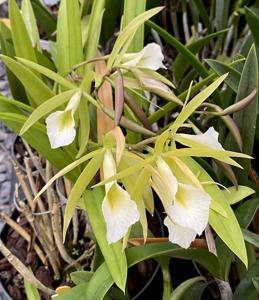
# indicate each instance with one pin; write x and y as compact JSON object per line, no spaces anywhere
{"x":98,"y":122}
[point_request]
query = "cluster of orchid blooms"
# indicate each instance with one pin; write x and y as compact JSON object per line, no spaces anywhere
{"x":186,"y":204}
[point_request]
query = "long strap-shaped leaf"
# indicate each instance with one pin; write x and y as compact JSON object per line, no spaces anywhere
{"x":133,"y":8}
{"x":80,"y":186}
{"x":125,"y":38}
{"x":69,"y":36}
{"x":181,"y":48}
{"x":38,"y":91}
{"x":46,"y":108}
{"x":246,"y":118}
{"x":21,"y":39}
{"x":140,"y":253}
{"x":30,"y":23}
{"x":188,"y":110}
{"x":47,"y":72}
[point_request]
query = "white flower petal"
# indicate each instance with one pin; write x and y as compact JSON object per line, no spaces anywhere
{"x":119,"y":211}
{"x":150,"y":57}
{"x":74,"y":102}
{"x":61,"y":128}
{"x":109,"y":168}
{"x":164,"y":183}
{"x":131,"y":59}
{"x":179,"y":235}
{"x":208,"y":139}
{"x":191,"y":208}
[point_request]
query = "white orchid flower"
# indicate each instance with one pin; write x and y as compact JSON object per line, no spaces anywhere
{"x":186,"y":206}
{"x":207,"y":139}
{"x":61,"y":124}
{"x":119,"y":210}
{"x":150,"y":57}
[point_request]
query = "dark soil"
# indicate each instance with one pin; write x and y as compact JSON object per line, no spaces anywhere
{"x":13,"y":281}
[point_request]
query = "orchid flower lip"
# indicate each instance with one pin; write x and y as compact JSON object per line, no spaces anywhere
{"x":61,"y":124}
{"x":186,"y":206}
{"x":150,"y":57}
{"x":207,"y":139}
{"x":119,"y":210}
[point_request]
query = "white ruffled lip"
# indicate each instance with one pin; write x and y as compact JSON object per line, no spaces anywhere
{"x":61,"y":124}
{"x":186,"y":206}
{"x":60,"y":128}
{"x":119,"y":210}
{"x":150,"y":57}
{"x":207,"y":139}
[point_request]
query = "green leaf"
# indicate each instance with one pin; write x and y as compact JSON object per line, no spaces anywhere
{"x":84,"y":130}
{"x":80,"y":186}
{"x":204,"y":15}
{"x":183,"y":287}
{"x":195,"y":88}
{"x":77,"y":292}
{"x":246,"y":118}
{"x":195,"y":291}
{"x":33,"y":85}
{"x":180,"y":65}
{"x":93,"y":32}
{"x":99,"y":284}
{"x":245,"y":289}
{"x":47,"y":72}
{"x":251,"y":238}
{"x":46,"y":107}
{"x":11,"y":102}
{"x":80,"y":277}
{"x":256,"y":283}
{"x":246,"y":211}
{"x":188,"y":110}
{"x":253,"y":21}
{"x":164,"y":263}
{"x":226,"y":257}
{"x":124,"y":40}
{"x":44,"y":17}
{"x":220,"y":68}
{"x":188,"y":55}
{"x":21,"y":39}
{"x":222,"y":13}
{"x":228,"y":228}
{"x":113,"y":255}
{"x":7,"y":49}
{"x":112,"y":13}
{"x":30,"y":23}
{"x":133,"y":8}
{"x":69,"y":36}
{"x":235,"y":194}
{"x":203,"y":257}
{"x":69,"y":168}
{"x":31,"y":291}
{"x":140,"y":253}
